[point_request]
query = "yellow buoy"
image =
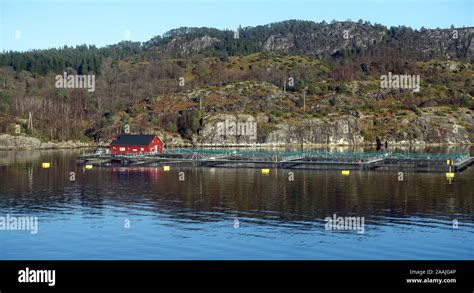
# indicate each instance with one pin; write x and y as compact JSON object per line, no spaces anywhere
{"x":89,"y":167}
{"x":166,"y":168}
{"x":449,"y":175}
{"x":345,"y":172}
{"x":265,"y":171}
{"x":46,"y":165}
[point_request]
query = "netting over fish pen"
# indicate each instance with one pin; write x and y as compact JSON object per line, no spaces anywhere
{"x":271,"y":155}
{"x":311,"y":155}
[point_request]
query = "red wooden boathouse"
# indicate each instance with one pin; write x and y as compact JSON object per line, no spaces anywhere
{"x":136,"y":144}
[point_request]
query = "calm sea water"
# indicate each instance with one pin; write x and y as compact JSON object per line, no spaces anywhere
{"x":218,"y":213}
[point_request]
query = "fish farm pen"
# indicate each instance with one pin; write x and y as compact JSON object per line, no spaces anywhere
{"x":312,"y":160}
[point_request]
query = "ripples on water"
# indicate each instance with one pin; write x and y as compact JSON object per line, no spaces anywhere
{"x":196,"y":219}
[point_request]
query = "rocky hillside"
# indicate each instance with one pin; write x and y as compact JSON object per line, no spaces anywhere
{"x":255,"y":113}
{"x":319,"y":39}
{"x":291,"y":82}
{"x":402,"y":129}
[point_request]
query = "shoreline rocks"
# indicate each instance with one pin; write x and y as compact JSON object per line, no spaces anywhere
{"x":426,"y":129}
{"x":430,"y":128}
{"x":10,"y":142}
{"x":23,"y":142}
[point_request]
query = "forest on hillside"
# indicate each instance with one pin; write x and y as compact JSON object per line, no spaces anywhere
{"x":134,"y":80}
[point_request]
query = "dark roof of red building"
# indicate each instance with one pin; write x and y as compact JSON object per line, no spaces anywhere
{"x":132,"y":140}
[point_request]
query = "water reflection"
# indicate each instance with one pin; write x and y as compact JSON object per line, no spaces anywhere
{"x":209,"y":197}
{"x":312,"y":195}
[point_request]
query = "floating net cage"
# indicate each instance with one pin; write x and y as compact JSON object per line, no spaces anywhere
{"x":202,"y":153}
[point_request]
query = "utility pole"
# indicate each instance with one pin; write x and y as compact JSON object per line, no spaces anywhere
{"x":304,"y":99}
{"x":200,"y":107}
{"x":30,"y":122}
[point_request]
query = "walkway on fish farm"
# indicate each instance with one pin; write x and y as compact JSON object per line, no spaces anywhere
{"x":296,"y":160}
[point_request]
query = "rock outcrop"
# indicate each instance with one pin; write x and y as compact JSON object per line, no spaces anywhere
{"x":322,"y":39}
{"x":8,"y":142}
{"x":244,"y":130}
{"x":182,"y":46}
